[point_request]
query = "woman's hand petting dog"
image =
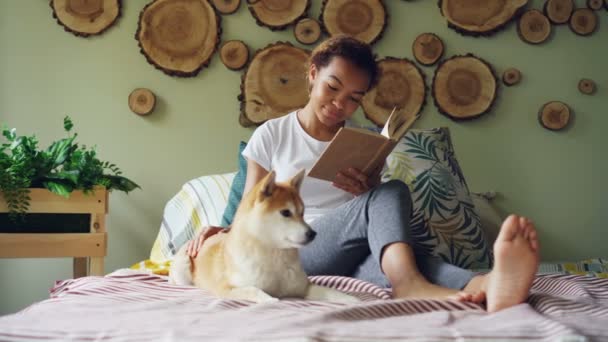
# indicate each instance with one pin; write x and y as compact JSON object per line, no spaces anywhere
{"x":356,"y":182}
{"x":194,"y":245}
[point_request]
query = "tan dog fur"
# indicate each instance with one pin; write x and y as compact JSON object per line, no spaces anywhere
{"x":258,"y":259}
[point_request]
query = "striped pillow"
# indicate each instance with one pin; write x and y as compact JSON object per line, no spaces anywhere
{"x":200,"y":202}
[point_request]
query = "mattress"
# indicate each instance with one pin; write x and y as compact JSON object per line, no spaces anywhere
{"x":131,"y":305}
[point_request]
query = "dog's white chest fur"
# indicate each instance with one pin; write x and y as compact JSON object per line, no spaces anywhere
{"x":276,"y":272}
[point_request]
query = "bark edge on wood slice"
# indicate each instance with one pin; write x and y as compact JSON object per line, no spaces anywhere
{"x":180,"y":40}
{"x":554,"y":115}
{"x":278,"y":14}
{"x":400,"y":84}
{"x":234,"y":54}
{"x":363,"y":19}
{"x":427,"y":48}
{"x":586,"y":86}
{"x":511,"y":77}
{"x":226,"y":6}
{"x":142,"y":101}
{"x":469,"y":18}
{"x":464,"y":87}
{"x":595,"y":5}
{"x":583,"y":22}
{"x":307,"y":31}
{"x":558,"y":11}
{"x":534,"y":27}
{"x":273,"y":84}
{"x":85,"y":19}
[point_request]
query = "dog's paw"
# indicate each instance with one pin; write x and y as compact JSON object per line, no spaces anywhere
{"x":263,"y":297}
{"x":267,"y":299}
{"x":316,"y":292}
{"x":344,"y":298}
{"x":251,"y":293}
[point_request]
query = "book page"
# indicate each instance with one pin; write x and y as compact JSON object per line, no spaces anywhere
{"x":388,"y":129}
{"x":351,"y":147}
{"x":403,"y":127}
{"x":397,"y":120}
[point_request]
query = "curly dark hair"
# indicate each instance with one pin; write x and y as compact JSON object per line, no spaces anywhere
{"x":349,"y":48}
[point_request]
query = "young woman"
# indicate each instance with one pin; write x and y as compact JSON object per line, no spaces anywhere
{"x":362,"y":226}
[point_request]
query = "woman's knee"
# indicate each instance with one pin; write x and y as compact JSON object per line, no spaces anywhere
{"x":394,"y":191}
{"x":395,"y":188}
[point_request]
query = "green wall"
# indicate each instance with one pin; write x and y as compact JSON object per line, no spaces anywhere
{"x":47,"y":73}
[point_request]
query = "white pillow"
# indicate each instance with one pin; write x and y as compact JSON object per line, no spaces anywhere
{"x":200,"y":202}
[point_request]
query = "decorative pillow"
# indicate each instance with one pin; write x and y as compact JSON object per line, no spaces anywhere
{"x":199,"y":203}
{"x":490,"y":217}
{"x":444,"y":221}
{"x":236,"y":190}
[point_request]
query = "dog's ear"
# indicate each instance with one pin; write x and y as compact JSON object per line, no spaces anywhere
{"x":268,"y":185}
{"x":296,"y":181}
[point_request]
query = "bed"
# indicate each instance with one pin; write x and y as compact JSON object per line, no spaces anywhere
{"x":568,"y":301}
{"x":131,"y":305}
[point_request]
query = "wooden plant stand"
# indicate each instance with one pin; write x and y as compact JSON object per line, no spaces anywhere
{"x":87,"y":249}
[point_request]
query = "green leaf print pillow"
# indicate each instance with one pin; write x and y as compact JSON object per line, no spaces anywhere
{"x":444,"y":221}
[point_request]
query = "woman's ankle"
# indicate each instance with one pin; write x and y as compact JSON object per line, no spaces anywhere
{"x":477,"y":284}
{"x":423,"y":289}
{"x":410,"y":285}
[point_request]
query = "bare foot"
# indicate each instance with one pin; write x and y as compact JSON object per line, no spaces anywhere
{"x":516,"y":253}
{"x":421,"y":288}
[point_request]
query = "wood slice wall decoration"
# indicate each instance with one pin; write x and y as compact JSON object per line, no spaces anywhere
{"x":533,"y":27}
{"x":511,"y":77}
{"x":278,"y":14}
{"x":226,"y":6}
{"x":274,"y":83}
{"x":401,"y":84}
{"x":178,"y":37}
{"x":595,"y":5}
{"x":234,"y":54}
{"x":464,"y":87}
{"x":307,"y":31}
{"x":558,"y":11}
{"x":586,"y":86}
{"x":474,"y":17}
{"x":142,"y":101}
{"x":86,"y":18}
{"x":362,"y":19}
{"x":583,"y":21}
{"x":554,"y":115}
{"x":427,"y":49}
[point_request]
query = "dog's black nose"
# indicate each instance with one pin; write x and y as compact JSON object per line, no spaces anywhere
{"x":310,"y":234}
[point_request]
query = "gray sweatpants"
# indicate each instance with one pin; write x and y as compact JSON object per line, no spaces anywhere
{"x":351,"y":238}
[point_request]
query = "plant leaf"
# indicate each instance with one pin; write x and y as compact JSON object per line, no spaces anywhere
{"x":60,"y":150}
{"x":67,"y":124}
{"x":61,"y":189}
{"x":121,"y":183}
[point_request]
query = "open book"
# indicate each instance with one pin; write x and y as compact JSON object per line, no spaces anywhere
{"x":361,"y":148}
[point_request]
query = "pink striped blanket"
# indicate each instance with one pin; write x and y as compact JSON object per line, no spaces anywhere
{"x":132,"y":306}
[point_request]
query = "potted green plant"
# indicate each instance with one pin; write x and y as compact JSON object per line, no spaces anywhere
{"x":62,"y":168}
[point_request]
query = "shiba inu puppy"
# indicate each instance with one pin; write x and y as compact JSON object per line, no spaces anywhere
{"x":258,"y":259}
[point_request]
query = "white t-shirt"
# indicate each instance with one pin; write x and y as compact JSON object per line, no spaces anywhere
{"x":282,"y":145}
